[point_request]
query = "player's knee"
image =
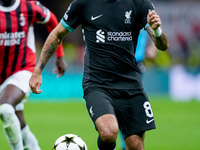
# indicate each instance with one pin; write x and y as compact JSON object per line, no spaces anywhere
{"x":109,"y":134}
{"x":135,"y":142}
{"x":6,"y":111}
{"x":108,"y":127}
{"x":136,"y":146}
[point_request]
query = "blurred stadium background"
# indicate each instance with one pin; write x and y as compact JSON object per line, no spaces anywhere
{"x":171,"y":79}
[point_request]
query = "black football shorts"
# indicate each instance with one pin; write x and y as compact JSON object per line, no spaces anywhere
{"x":131,"y":107}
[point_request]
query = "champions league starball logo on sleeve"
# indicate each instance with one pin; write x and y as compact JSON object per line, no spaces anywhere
{"x":65,"y":16}
{"x":68,"y":9}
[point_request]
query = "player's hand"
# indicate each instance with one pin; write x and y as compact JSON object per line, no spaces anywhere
{"x":35,"y":82}
{"x":153,"y":20}
{"x":61,"y":66}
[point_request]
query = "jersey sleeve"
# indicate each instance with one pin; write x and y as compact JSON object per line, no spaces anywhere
{"x":41,"y":14}
{"x":50,"y":25}
{"x":145,"y":6}
{"x":72,"y":17}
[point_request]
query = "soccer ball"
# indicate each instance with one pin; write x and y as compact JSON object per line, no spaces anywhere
{"x":69,"y":142}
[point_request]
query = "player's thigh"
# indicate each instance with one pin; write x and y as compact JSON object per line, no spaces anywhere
{"x":11,"y":95}
{"x":135,"y":114}
{"x":101,"y":110}
{"x":15,"y":88}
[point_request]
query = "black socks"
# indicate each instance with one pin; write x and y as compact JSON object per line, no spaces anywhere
{"x":105,"y":146}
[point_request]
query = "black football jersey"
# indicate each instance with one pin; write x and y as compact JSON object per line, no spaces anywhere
{"x":110,"y":31}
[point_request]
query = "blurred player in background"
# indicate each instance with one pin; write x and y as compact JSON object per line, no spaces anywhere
{"x":17,"y":61}
{"x":112,"y":84}
{"x":144,"y":50}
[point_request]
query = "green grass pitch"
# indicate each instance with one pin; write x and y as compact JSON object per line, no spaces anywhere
{"x":178,"y":124}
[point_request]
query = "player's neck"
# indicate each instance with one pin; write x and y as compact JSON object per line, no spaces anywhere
{"x":7,"y":3}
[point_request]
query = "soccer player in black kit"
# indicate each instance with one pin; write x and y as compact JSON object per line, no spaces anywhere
{"x":112,"y":86}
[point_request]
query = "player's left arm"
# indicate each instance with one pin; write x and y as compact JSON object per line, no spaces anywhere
{"x":155,"y":31}
{"x":51,"y":44}
{"x":60,"y":62}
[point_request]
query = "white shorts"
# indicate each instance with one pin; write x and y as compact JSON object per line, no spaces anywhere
{"x":20,"y":80}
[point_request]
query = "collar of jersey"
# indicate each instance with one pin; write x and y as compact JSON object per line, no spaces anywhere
{"x":10,"y":8}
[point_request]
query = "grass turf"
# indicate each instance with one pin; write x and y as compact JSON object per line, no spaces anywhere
{"x":178,"y":124}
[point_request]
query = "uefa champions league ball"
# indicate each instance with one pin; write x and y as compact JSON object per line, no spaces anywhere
{"x":69,"y":142}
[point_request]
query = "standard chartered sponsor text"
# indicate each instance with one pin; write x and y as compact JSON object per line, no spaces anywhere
{"x":119,"y":36}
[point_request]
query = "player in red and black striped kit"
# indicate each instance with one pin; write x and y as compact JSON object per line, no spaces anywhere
{"x":17,"y":61}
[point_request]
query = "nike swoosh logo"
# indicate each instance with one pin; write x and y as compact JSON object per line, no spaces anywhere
{"x":149,"y":121}
{"x":93,"y":18}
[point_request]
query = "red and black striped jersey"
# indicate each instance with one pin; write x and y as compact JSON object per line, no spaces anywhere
{"x":17,"y":41}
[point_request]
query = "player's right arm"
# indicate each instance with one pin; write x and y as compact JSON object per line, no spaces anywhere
{"x":156,"y":33}
{"x":51,"y":44}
